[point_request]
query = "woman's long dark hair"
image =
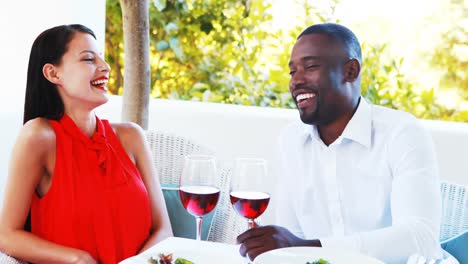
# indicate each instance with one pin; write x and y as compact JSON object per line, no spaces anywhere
{"x":42,"y":98}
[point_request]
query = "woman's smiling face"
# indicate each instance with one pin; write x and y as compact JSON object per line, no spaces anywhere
{"x":82,"y":72}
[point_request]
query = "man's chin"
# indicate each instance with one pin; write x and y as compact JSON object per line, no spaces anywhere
{"x":308,"y":118}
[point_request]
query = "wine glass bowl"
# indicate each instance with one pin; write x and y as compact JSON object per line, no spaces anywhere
{"x":249,"y":204}
{"x":198,"y":189}
{"x":199,"y":200}
{"x":248,"y":195}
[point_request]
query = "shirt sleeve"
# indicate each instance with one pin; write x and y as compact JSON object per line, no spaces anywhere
{"x":415,"y":202}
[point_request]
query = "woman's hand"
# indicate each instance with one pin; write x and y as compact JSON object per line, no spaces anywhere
{"x":83,"y":257}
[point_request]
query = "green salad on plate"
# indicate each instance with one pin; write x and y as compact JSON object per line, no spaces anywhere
{"x":320,"y":261}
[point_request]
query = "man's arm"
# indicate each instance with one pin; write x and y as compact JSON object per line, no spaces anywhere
{"x":415,"y":202}
{"x":415,"y":207}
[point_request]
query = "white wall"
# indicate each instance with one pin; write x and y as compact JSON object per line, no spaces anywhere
{"x":20,"y":23}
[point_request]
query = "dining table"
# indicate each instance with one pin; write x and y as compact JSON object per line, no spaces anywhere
{"x":198,"y":252}
{"x":207,"y":252}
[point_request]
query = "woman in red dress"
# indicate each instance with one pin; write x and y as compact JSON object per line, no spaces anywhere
{"x":88,"y":185}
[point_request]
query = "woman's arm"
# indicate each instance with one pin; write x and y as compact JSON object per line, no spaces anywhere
{"x":134,"y":141}
{"x":32,"y":157}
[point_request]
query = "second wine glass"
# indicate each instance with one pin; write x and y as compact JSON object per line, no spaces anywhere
{"x":248,"y":195}
{"x":198,"y":189}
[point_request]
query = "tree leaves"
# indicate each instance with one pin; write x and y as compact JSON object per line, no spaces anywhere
{"x":160,"y":4}
{"x":162,"y":45}
{"x":171,"y":28}
{"x":225,"y":51}
{"x":174,"y":43}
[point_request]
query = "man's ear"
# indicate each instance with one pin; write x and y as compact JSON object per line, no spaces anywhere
{"x":352,"y":68}
{"x":50,"y":73}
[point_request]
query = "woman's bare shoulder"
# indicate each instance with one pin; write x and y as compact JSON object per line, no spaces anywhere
{"x":37,"y":131}
{"x":128,"y":130}
{"x":131,"y":137}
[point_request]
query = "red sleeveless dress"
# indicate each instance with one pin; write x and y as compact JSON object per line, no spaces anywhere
{"x":97,"y":201}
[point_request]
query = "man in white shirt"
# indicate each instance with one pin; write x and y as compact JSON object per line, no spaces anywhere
{"x":354,"y":175}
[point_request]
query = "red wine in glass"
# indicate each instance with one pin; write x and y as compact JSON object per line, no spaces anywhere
{"x":249,"y":204}
{"x":198,"y":190}
{"x":248,"y":194}
{"x":199,"y":200}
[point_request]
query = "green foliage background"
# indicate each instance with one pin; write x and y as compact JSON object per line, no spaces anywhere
{"x":226,"y":51}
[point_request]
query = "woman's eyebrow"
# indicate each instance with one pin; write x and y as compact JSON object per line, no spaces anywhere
{"x":92,"y":52}
{"x":88,"y":51}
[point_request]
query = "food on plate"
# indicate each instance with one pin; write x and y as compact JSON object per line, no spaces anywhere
{"x":167,"y":259}
{"x":320,"y":261}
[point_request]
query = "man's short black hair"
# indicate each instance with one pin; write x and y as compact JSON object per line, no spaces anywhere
{"x":339,"y":33}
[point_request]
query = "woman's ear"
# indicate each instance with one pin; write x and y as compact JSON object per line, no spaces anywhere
{"x":352,"y":68}
{"x":50,"y":73}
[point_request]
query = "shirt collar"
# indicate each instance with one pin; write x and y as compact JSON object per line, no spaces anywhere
{"x":99,"y":136}
{"x":358,"y":129}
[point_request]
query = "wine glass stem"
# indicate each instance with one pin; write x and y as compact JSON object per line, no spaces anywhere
{"x":250,"y":223}
{"x":199,"y":227}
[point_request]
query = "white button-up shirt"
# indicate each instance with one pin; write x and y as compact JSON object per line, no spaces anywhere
{"x":374,"y":190}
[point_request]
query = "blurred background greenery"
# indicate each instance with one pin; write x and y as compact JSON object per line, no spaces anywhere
{"x":231,"y":51}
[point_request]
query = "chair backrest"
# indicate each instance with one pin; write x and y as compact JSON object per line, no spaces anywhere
{"x":5,"y":259}
{"x":454,"y":209}
{"x":168,"y":151}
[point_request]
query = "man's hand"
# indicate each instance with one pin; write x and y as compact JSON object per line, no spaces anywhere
{"x":255,"y":241}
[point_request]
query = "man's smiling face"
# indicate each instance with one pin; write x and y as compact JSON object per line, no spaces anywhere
{"x":317,"y":83}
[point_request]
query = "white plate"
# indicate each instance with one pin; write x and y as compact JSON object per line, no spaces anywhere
{"x":302,"y":255}
{"x":191,"y":255}
{"x":198,"y":257}
{"x":199,"y":252}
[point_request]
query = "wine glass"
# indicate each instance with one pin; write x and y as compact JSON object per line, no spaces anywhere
{"x":197,"y":188}
{"x":248,"y":195}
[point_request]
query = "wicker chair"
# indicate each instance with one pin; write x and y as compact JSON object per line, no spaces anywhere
{"x":454,"y":210}
{"x":5,"y":259}
{"x":168,"y":153}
